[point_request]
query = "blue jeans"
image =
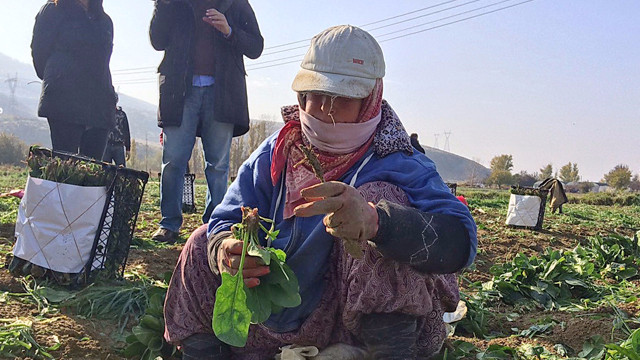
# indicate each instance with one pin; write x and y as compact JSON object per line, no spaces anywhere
{"x":177,"y":146}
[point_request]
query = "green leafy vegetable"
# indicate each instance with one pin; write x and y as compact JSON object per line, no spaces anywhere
{"x":237,"y":306}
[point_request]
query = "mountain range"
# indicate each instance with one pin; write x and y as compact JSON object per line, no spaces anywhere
{"x":18,"y":117}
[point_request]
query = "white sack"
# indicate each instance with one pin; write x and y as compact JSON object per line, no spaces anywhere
{"x":297,"y":352}
{"x":523,"y":210}
{"x":57,"y":224}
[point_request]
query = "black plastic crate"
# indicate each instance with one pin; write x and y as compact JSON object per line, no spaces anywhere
{"x":531,"y":191}
{"x":115,"y":230}
{"x":453,"y":187}
{"x":189,"y":194}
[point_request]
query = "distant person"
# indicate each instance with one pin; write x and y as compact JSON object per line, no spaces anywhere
{"x":415,"y":143}
{"x":71,"y":49}
{"x":202,"y":93}
{"x":119,"y":141}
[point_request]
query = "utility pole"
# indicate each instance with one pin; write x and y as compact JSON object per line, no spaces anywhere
{"x":446,"y":142}
{"x":435,"y":143}
{"x":13,"y":82}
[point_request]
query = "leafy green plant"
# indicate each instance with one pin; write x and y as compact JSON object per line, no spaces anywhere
{"x":237,"y":306}
{"x":603,"y":198}
{"x":476,"y":320}
{"x":593,"y":348}
{"x":628,"y":349}
{"x":557,"y":278}
{"x":109,"y":301}
{"x":458,"y":349}
{"x":71,"y":171}
{"x":147,"y":339}
{"x":497,"y":352}
{"x":518,"y":190}
{"x":537,"y":329}
{"x":9,"y":210}
{"x":37,"y":292}
{"x":16,"y":341}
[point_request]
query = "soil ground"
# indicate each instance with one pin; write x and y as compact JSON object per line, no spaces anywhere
{"x":83,"y":338}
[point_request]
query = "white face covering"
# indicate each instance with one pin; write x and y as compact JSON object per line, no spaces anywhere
{"x":338,"y":138}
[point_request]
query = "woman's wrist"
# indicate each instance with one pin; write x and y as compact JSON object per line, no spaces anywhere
{"x":374,"y":218}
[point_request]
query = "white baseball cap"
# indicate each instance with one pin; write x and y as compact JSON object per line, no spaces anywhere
{"x":343,"y":60}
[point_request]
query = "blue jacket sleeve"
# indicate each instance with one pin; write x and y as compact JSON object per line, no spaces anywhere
{"x":437,"y":232}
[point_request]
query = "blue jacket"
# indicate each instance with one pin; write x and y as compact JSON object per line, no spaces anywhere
{"x":305,"y":240}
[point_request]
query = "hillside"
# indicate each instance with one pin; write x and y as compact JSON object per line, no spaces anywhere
{"x":142,"y":115}
{"x":455,"y":168}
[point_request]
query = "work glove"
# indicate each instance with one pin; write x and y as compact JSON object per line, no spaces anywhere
{"x":349,"y":216}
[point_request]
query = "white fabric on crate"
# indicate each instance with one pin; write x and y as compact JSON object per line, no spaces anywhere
{"x":57,"y":224}
{"x":523,"y":210}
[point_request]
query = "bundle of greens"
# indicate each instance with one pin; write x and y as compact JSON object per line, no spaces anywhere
{"x":521,"y":190}
{"x":236,"y":305}
{"x":72,"y":171}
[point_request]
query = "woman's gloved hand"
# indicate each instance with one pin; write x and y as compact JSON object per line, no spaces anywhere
{"x":349,"y":215}
{"x":229,"y":254}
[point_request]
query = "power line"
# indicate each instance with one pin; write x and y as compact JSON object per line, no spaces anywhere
{"x":431,"y":28}
{"x":457,"y":21}
{"x":136,"y":82}
{"x":371,"y":23}
{"x":434,"y":27}
{"x":444,"y":18}
{"x":407,"y":13}
{"x":383,"y":20}
{"x":139,"y":68}
{"x":258,"y":65}
{"x":284,"y":63}
{"x":278,"y":59}
{"x":364,"y":25}
{"x":424,"y":15}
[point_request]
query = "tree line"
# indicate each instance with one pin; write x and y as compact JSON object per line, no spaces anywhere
{"x":146,"y":157}
{"x":13,"y":151}
{"x":619,"y":178}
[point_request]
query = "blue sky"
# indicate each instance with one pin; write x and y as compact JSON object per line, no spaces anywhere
{"x":547,"y":81}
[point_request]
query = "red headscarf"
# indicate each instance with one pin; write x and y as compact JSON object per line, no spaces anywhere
{"x":287,"y":154}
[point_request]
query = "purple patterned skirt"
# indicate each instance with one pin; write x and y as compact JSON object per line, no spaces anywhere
{"x":354,"y":287}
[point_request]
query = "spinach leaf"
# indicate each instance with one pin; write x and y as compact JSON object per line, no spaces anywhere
{"x":237,"y":306}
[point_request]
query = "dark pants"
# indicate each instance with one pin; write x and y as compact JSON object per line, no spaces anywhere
{"x":204,"y":347}
{"x":114,"y":152}
{"x":78,"y":139}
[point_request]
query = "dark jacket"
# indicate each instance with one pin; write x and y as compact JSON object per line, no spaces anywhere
{"x":71,"y":50}
{"x":172,"y":30}
{"x":120,"y":134}
{"x":416,"y":144}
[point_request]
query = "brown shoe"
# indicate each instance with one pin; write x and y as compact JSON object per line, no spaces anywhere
{"x":165,"y":236}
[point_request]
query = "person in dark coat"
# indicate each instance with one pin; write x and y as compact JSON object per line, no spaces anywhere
{"x":415,"y":143}
{"x":119,"y":140}
{"x":202,"y":93}
{"x":71,"y":49}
